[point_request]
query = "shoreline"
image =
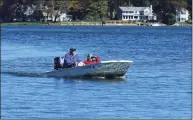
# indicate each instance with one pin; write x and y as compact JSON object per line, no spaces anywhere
{"x":84,"y":24}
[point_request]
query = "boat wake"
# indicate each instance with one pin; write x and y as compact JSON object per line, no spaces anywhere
{"x":25,"y":74}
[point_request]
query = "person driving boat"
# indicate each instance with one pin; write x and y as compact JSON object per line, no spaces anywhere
{"x":71,"y":59}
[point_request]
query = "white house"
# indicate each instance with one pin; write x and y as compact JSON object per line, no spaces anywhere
{"x":136,"y":13}
{"x":61,"y":17}
{"x":182,"y":15}
{"x":65,"y":17}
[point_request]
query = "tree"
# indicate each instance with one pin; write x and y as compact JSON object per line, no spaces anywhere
{"x":170,"y":19}
{"x":59,"y":6}
{"x":146,"y":3}
{"x":89,"y":9}
{"x":189,"y":7}
{"x":1,"y":3}
{"x":96,"y":9}
{"x":178,"y":4}
{"x":111,"y":9}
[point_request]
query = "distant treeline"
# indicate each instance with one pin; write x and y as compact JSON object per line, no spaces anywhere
{"x":86,"y":9}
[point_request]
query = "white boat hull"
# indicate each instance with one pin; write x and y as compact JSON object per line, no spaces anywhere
{"x":104,"y":69}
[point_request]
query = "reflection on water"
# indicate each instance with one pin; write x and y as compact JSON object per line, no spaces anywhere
{"x":101,"y":79}
{"x":25,"y":74}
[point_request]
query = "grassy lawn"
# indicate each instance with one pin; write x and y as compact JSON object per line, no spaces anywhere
{"x":23,"y":23}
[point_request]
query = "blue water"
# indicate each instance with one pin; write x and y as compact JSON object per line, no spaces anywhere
{"x":158,"y":84}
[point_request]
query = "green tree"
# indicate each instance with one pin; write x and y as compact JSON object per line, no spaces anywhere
{"x":189,"y":7}
{"x":90,"y":9}
{"x":78,"y":9}
{"x":96,"y":10}
{"x":170,"y":19}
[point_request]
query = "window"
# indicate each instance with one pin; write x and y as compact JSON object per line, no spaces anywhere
{"x":131,"y":17}
{"x":125,"y":17}
{"x":135,"y":11}
{"x":136,"y":17}
{"x":131,"y":11}
{"x":142,"y":12}
{"x":125,"y":11}
{"x":182,"y":12}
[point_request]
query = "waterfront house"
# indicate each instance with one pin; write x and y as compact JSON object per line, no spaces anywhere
{"x":65,"y":17}
{"x":59,"y":18}
{"x":136,"y":14}
{"x":182,"y":15}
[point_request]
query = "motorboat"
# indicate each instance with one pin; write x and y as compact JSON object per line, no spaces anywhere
{"x":106,"y":69}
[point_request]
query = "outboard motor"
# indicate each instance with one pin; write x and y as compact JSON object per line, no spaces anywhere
{"x":58,"y":63}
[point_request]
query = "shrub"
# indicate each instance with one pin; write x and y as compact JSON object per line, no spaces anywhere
{"x":169,"y":19}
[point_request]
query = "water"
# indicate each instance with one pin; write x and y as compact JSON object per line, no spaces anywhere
{"x":158,"y":84}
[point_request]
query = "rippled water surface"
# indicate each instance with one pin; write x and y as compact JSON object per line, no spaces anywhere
{"x":158,"y":84}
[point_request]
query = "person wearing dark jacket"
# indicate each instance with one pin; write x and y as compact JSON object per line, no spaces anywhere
{"x":92,"y":59}
{"x":71,"y":59}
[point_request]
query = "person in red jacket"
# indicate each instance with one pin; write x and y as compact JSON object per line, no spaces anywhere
{"x":92,"y":59}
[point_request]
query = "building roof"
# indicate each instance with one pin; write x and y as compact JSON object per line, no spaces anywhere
{"x":133,"y":8}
